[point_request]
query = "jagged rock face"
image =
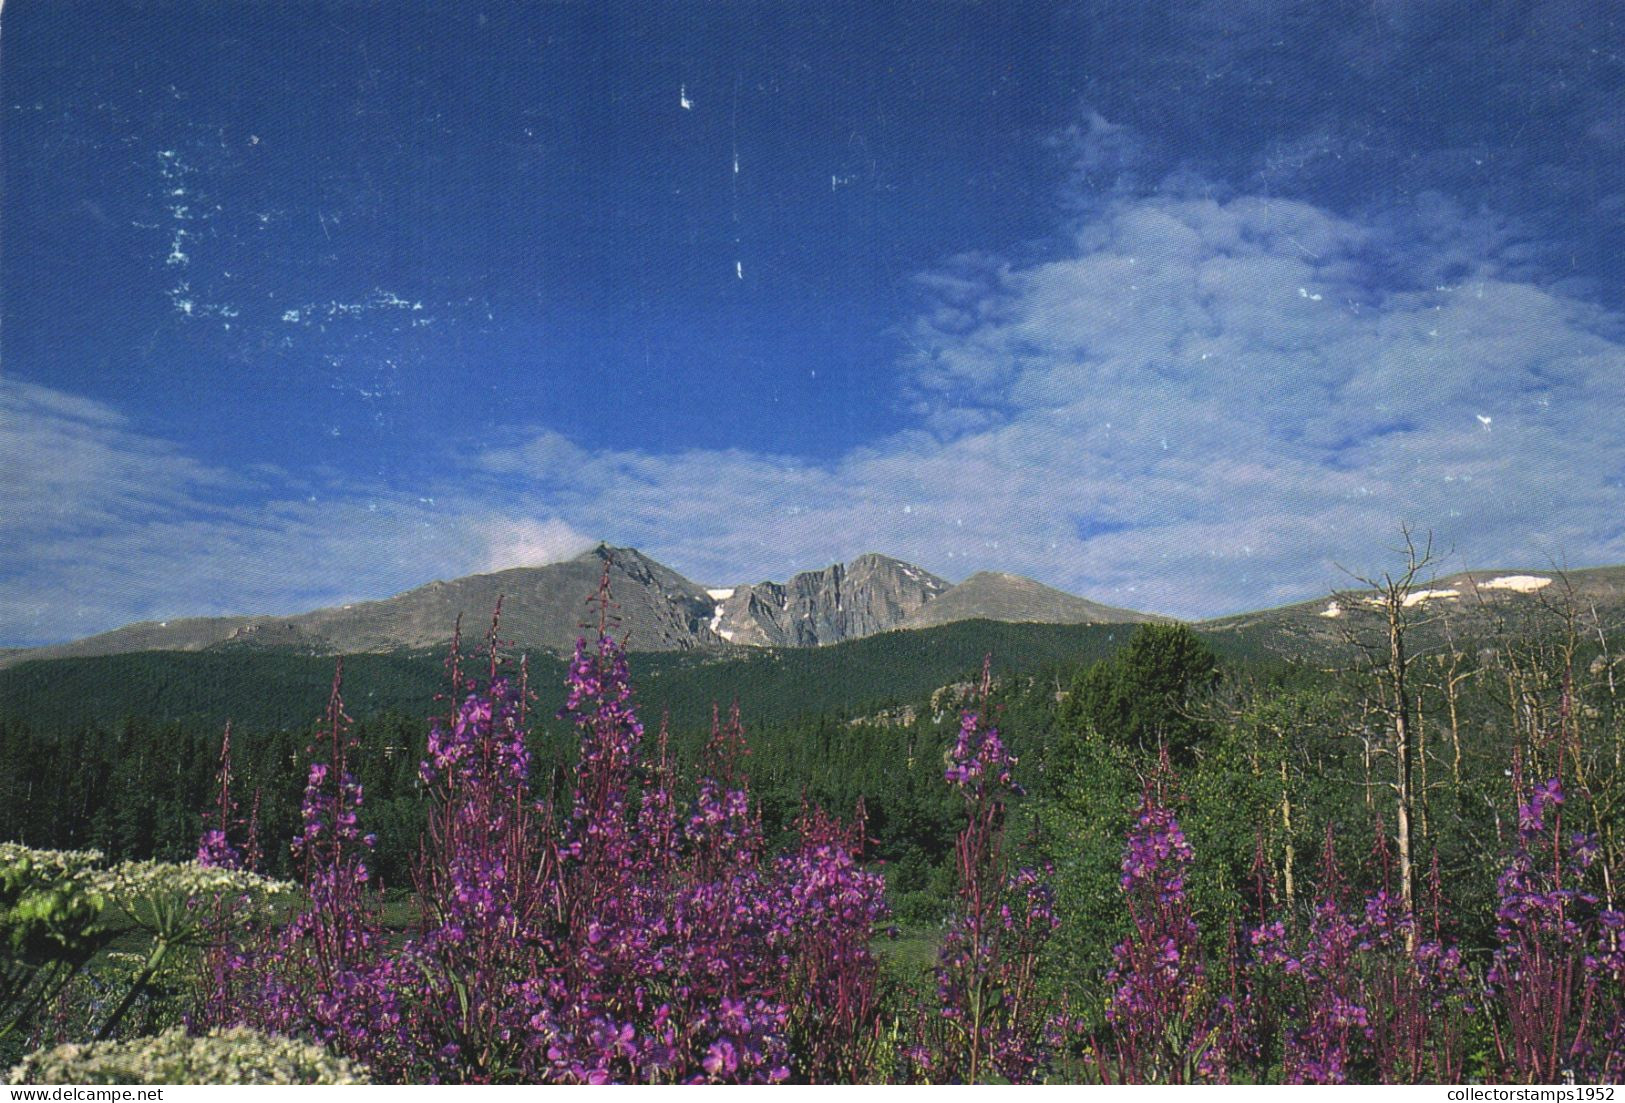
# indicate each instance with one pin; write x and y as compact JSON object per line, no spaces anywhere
{"x":871,"y":594}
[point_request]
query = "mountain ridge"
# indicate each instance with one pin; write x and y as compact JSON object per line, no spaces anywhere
{"x":996,"y":595}
{"x":656,"y":608}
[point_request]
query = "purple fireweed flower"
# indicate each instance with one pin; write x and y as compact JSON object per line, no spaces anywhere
{"x":1555,"y":998}
{"x":991,"y":1019}
{"x":1164,"y":1026}
{"x":214,"y":849}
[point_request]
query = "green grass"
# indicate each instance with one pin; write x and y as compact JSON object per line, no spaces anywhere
{"x":912,"y":953}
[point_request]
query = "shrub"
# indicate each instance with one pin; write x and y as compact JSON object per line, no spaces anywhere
{"x":235,"y":1056}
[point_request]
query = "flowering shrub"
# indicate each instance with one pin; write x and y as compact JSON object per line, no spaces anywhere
{"x":323,"y":974}
{"x":236,"y":1056}
{"x":1360,"y":997}
{"x":833,"y":905}
{"x":59,"y":908}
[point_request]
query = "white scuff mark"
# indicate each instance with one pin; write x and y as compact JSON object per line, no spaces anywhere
{"x":1305,"y":293}
{"x":1332,"y":610}
{"x":388,"y":298}
{"x":739,"y":269}
{"x":377,"y":299}
{"x":682,"y":98}
{"x":1485,"y":420}
{"x":736,"y":164}
{"x":1521,"y":583}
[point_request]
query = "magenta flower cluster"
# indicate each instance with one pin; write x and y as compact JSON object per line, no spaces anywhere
{"x":1165,"y":1025}
{"x":1363,"y":993}
{"x":625,"y":939}
{"x":1558,"y":977}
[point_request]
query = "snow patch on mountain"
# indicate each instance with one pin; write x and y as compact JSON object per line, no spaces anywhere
{"x":1521,"y":583}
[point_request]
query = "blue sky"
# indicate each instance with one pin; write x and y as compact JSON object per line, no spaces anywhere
{"x":1175,"y":307}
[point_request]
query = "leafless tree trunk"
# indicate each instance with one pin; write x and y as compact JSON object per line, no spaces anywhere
{"x":1393,"y":597}
{"x":1421,"y":767}
{"x":1286,"y":831}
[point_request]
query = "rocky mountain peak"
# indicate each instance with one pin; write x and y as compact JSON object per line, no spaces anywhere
{"x":871,"y":594}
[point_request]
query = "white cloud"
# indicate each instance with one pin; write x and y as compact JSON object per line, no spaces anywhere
{"x":525,"y":542}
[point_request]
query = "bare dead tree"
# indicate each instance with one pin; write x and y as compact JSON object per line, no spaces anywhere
{"x":1389,"y":599}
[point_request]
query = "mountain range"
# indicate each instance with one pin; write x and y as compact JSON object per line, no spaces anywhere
{"x":654,"y":607}
{"x":657,"y":609}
